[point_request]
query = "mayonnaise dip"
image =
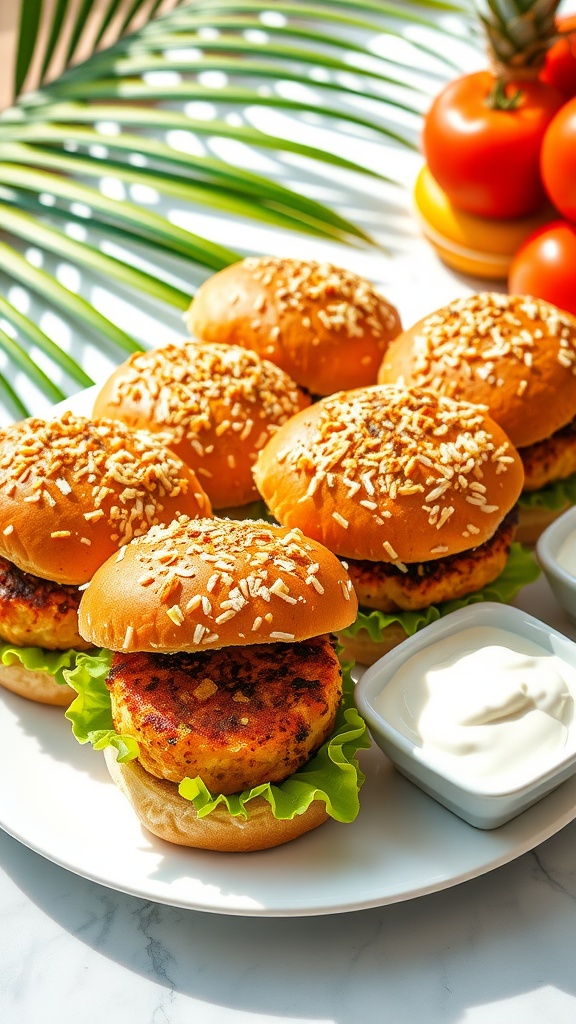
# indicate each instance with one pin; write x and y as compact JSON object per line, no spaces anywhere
{"x":485,"y":706}
{"x":566,"y":556}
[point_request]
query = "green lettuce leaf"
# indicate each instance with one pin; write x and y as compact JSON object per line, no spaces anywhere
{"x":521,"y":569}
{"x":255,"y":510}
{"x":332,"y":775}
{"x":553,"y":496}
{"x":90,"y":712}
{"x":55,"y":663}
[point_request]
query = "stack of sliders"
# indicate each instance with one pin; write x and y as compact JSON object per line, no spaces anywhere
{"x":224,"y":698}
{"x":72,"y":492}
{"x":415,"y":490}
{"x":218,"y":404}
{"x":517,"y":356}
{"x":325,"y":326}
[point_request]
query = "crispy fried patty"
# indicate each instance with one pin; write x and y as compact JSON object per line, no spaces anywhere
{"x":36,"y":612}
{"x":236,"y":717}
{"x":385,"y":586}
{"x":549,"y":460}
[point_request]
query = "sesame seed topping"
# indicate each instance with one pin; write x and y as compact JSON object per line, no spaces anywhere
{"x":340,"y":519}
{"x":348,"y":303}
{"x":175,"y":613}
{"x":397,"y":443}
{"x":199,"y":389}
{"x":251,"y":555}
{"x":125,"y":474}
{"x":482,"y":338}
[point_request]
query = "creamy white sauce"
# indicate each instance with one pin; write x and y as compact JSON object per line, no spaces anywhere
{"x":486,"y":706}
{"x":566,"y":556}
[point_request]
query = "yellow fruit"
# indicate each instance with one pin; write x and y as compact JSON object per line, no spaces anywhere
{"x":480,"y":246}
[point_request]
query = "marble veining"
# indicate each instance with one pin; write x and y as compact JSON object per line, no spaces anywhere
{"x":498,"y":948}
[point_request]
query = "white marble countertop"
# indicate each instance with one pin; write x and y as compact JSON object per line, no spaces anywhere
{"x":498,"y":949}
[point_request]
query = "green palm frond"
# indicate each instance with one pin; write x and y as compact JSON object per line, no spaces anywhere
{"x":55,"y":151}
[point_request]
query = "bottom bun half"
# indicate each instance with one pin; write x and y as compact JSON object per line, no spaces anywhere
{"x":169,"y":816}
{"x":38,"y":686}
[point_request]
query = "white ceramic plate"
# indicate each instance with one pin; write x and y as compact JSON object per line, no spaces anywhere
{"x":61,"y":802}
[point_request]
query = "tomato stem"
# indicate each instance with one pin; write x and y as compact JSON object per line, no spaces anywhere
{"x":499,"y":99}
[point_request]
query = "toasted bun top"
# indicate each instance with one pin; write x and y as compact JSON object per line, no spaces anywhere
{"x":210,"y":583}
{"x":72,"y":491}
{"x":391,"y":474}
{"x":218,"y":403}
{"x":325,"y":326}
{"x":512,"y":353}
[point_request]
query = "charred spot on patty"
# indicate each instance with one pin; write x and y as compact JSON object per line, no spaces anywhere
{"x":236,"y":717}
{"x":385,"y":586}
{"x":17,"y":585}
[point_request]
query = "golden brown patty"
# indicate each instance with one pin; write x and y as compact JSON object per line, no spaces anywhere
{"x":384,"y":586}
{"x":549,"y":460}
{"x":36,"y":612}
{"x":235,"y":716}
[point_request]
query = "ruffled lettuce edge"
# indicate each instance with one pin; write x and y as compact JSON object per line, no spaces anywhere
{"x":38,"y":659}
{"x":333,"y":775}
{"x":521,"y":569}
{"x":554,"y":496}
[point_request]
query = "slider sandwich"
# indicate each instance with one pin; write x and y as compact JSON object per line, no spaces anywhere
{"x":415,"y":491}
{"x":72,"y":492}
{"x":218,"y":697}
{"x":517,"y":356}
{"x":324,"y":326}
{"x":218,"y":404}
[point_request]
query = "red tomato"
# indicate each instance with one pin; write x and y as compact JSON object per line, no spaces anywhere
{"x":545,"y":266}
{"x":560,"y":67}
{"x":487,"y":161}
{"x":558,"y":162}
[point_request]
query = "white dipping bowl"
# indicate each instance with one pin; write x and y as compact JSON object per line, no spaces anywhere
{"x":484,"y":806}
{"x":562,"y":581}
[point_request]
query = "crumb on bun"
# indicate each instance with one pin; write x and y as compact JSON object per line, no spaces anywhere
{"x":326,"y":327}
{"x":219,"y":404}
{"x":168,"y":815}
{"x":73,"y":490}
{"x":512,"y":353}
{"x":211,"y":583}
{"x":391,"y":474}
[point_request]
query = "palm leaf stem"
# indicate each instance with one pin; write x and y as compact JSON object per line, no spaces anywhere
{"x":132,"y":46}
{"x":21,"y":410}
{"x":18,"y":268}
{"x":207,"y":168}
{"x":21,"y":358}
{"x":34,"y":336}
{"x":173,"y":120}
{"x":135,"y":89}
{"x":107,"y":62}
{"x":142,"y":222}
{"x":29,"y":228}
{"x":205,"y":194}
{"x":230,"y":66}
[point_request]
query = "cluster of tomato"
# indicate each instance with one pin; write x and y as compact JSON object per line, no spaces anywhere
{"x":509,"y":151}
